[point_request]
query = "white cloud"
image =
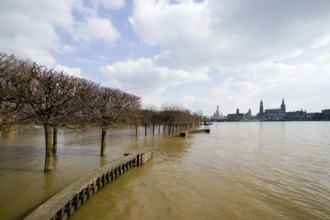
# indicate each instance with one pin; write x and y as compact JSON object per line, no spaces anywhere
{"x":181,"y":30}
{"x":95,"y":28}
{"x":27,"y":37}
{"x":323,"y":59}
{"x":68,"y":70}
{"x":33,"y":30}
{"x":66,"y":48}
{"x":57,"y":13}
{"x":112,"y":4}
{"x":143,"y":76}
{"x":158,"y":22}
{"x":230,"y":33}
{"x":29,"y":29}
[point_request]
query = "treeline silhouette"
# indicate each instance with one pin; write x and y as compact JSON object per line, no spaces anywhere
{"x":33,"y":94}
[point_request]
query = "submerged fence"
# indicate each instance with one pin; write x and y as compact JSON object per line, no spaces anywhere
{"x":63,"y":204}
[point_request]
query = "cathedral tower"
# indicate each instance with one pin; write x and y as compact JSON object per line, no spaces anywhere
{"x":261,"y":108}
{"x":283,"y":106}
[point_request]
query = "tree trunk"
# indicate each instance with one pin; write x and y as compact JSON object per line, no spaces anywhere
{"x":145,"y":130}
{"x":103,"y":141}
{"x":54,"y":140}
{"x":49,"y":149}
{"x":136,"y":130}
{"x":153,"y":129}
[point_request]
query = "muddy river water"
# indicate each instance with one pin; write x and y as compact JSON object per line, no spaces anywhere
{"x":246,"y":170}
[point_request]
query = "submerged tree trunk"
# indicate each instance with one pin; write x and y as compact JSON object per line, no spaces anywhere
{"x":49,"y":149}
{"x":145,"y":130}
{"x":136,"y":130}
{"x":54,"y":140}
{"x":103,"y":141}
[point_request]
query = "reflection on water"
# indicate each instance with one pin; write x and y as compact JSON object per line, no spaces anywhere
{"x":24,"y":185}
{"x":239,"y":171}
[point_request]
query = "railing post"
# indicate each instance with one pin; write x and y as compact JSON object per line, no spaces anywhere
{"x":94,"y":187}
{"x":61,"y":214}
{"x":69,"y":208}
{"x":138,"y":160}
{"x":76,"y":201}
{"x":88,"y":191}
{"x":83,"y":196}
{"x":111,"y":175}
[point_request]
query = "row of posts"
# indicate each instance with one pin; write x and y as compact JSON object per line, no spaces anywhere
{"x":81,"y":197}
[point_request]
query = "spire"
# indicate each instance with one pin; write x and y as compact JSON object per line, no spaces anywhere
{"x":283,"y":106}
{"x":261,"y":108}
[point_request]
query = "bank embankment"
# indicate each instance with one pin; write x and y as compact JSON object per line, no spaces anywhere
{"x":63,"y":204}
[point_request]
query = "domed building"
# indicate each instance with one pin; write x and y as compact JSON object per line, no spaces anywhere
{"x":217,"y":115}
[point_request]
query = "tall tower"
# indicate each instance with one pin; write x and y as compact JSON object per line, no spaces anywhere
{"x":216,"y":114}
{"x":283,"y":106}
{"x":261,"y":108}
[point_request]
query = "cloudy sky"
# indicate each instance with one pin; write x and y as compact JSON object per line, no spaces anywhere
{"x":198,"y":54}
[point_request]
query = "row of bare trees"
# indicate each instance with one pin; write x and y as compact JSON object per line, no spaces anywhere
{"x":172,"y":119}
{"x":34,"y":94}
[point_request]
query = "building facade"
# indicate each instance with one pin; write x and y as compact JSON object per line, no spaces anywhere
{"x":296,"y":116}
{"x":326,"y":114}
{"x":239,"y":116}
{"x":274,"y":114}
{"x":236,"y":116}
{"x":280,"y":114}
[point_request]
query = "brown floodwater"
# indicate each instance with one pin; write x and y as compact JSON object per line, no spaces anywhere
{"x":253,"y":170}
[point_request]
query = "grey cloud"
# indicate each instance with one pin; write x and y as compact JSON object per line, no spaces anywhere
{"x":232,"y":32}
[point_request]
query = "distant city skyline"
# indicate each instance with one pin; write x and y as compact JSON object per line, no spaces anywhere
{"x":197,"y":54}
{"x":279,"y":113}
{"x":265,"y":106}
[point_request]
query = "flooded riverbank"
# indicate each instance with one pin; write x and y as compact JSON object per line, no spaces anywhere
{"x":23,"y":183}
{"x":268,"y":170}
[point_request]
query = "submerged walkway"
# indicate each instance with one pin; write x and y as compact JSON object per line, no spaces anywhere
{"x":63,"y":204}
{"x":185,"y":133}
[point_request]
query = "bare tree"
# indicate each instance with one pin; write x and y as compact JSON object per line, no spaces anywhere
{"x":136,"y":119}
{"x":147,"y":118}
{"x":110,"y":108}
{"x":39,"y":95}
{"x":176,"y":119}
{"x":78,"y":93}
{"x":14,"y":81}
